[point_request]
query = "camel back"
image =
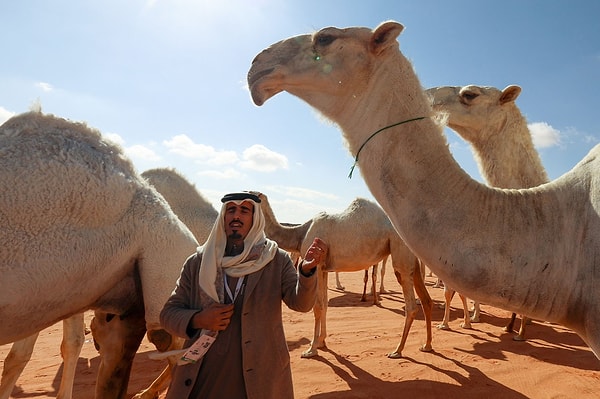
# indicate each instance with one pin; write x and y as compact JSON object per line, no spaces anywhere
{"x":62,"y":170}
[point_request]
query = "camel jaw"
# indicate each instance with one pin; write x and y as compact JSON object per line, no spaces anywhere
{"x":262,"y":84}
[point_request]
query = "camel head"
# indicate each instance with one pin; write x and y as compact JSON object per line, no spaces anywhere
{"x":323,"y":67}
{"x":475,"y":110}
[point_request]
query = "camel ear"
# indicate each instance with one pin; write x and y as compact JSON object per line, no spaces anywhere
{"x":510,"y":93}
{"x":384,"y":36}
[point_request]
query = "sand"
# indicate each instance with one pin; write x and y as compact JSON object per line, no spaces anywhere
{"x":467,"y":364}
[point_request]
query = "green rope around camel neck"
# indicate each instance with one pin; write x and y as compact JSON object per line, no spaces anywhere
{"x":373,"y":135}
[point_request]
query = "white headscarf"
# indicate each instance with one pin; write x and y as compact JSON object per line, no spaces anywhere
{"x":258,"y":251}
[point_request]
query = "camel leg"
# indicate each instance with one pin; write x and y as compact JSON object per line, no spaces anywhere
{"x":410,"y":310}
{"x":15,"y":362}
{"x":163,"y":341}
{"x":510,"y":327}
{"x":70,"y":348}
{"x":521,"y":335}
{"x":476,"y":312}
{"x":511,"y":324}
{"x":381,"y":287}
{"x":363,"y":298}
{"x":466,"y":319}
{"x":376,"y":300}
{"x":117,"y":339}
{"x":338,"y":283}
{"x":448,"y":295}
{"x":427,"y":305}
{"x":320,"y":313}
{"x":158,"y":385}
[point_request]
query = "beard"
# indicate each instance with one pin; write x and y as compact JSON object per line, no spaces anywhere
{"x":235,"y":235}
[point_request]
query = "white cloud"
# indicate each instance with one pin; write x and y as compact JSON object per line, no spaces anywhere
{"x":544,"y":135}
{"x":185,"y":146}
{"x":221,"y":174}
{"x":301,"y":192}
{"x":5,"y":115}
{"x":260,"y":158}
{"x":142,"y":152}
{"x":115,"y":138}
{"x":44,"y":86}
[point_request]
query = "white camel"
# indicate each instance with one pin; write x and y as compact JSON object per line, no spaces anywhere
{"x":197,"y":214}
{"x":82,"y":230}
{"x":361,"y":235}
{"x":490,"y":120}
{"x":532,"y":251}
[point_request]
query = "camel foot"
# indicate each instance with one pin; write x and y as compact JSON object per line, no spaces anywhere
{"x":426,"y":348}
{"x":307,"y":354}
{"x":466,"y":326}
{"x":519,"y":338}
{"x":475,"y":319}
{"x":340,"y":287}
{"x":443,"y":327}
{"x":394,"y":355}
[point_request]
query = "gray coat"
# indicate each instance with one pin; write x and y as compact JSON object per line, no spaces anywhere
{"x":266,"y":360}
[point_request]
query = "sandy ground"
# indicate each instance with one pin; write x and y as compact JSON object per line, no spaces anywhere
{"x":466,"y":364}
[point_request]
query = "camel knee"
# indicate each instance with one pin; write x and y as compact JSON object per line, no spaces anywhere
{"x":161,"y":339}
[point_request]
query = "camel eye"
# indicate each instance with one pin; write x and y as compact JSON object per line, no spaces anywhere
{"x":469,"y":95}
{"x":324,"y":40}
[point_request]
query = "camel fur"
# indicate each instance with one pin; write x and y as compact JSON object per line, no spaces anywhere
{"x":81,"y":230}
{"x":199,"y":216}
{"x":533,"y":251}
{"x":361,"y":235}
{"x":196,"y":213}
{"x":490,"y":120}
{"x":192,"y":208}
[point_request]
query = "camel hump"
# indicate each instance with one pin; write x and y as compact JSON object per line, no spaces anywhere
{"x":60,"y":169}
{"x":192,"y":208}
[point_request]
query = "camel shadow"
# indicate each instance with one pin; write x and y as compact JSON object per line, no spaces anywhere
{"x":550,"y":343}
{"x":361,"y":382}
{"x":143,"y":373}
{"x":86,"y":369}
{"x":302,"y":342}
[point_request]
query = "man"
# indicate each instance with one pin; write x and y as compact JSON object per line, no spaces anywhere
{"x":232,"y":288}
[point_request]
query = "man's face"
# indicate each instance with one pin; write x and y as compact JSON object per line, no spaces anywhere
{"x":238,"y":219}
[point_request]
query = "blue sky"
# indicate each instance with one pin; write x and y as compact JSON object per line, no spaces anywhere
{"x":167,"y":80}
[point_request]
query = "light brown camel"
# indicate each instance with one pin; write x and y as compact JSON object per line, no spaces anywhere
{"x":361,"y":235}
{"x":532,"y":251}
{"x":490,"y":120}
{"x":82,"y":230}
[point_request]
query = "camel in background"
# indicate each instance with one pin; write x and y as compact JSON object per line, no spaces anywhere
{"x":490,"y":120}
{"x":360,"y":236}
